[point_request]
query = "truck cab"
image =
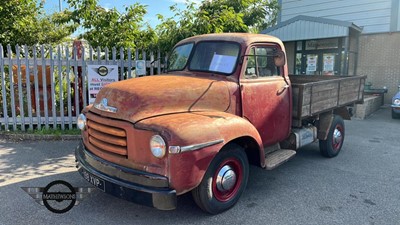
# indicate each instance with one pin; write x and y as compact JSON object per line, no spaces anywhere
{"x":225,"y":102}
{"x":259,"y":87}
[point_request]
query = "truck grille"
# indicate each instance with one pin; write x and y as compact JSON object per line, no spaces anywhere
{"x":106,"y":136}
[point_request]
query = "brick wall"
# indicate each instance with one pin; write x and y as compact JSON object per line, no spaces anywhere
{"x":379,"y":59}
{"x":371,"y":104}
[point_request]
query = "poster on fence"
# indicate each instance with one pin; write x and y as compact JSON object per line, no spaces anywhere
{"x":98,"y":77}
{"x":140,"y":67}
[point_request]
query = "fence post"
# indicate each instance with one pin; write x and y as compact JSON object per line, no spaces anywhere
{"x":158,"y":62}
{"x":98,"y":55}
{"x":151,"y":63}
{"x":84,"y":76}
{"x":10,"y":73}
{"x":76,"y":86}
{"x":68,"y":70}
{"x":44,"y":84}
{"x":20,"y":93}
{"x":61,"y":91}
{"x":144,"y":56}
{"x":90,"y":54}
{"x":36,"y":87}
{"x":121,"y":63}
{"x":114,"y":55}
{"x":129,"y":64}
{"x":136,"y":58}
{"x":53,"y":90}
{"x":28,"y":87}
{"x":3,"y":89}
{"x":106,"y":55}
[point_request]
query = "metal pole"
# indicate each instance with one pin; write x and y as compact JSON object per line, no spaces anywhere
{"x":60,"y":5}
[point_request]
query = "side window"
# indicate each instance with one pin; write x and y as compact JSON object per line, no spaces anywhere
{"x":260,"y":63}
{"x":251,"y":65}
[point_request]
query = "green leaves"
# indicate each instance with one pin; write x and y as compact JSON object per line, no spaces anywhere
{"x":216,"y":16}
{"x":24,"y":22}
{"x":109,"y":27}
{"x":246,"y":13}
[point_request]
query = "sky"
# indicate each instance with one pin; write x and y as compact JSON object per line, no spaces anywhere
{"x":154,"y":7}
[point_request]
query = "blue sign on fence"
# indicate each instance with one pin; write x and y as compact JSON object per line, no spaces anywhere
{"x":140,"y":67}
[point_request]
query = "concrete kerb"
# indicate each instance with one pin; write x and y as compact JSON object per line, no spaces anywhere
{"x":36,"y":137}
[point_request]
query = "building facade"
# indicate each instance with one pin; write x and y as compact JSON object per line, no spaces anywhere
{"x":337,"y":37}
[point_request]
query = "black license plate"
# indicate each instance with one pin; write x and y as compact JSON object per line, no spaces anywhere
{"x":96,"y":181}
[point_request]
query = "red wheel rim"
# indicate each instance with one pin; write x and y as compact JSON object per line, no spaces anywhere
{"x":227,"y":179}
{"x":337,"y":137}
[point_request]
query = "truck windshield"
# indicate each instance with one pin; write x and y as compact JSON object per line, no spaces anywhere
{"x":220,"y":57}
{"x":179,"y":57}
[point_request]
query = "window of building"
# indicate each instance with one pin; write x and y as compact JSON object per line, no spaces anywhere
{"x":299,"y":45}
{"x":320,"y":57}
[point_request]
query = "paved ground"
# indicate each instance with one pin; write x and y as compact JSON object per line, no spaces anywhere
{"x":360,"y":186}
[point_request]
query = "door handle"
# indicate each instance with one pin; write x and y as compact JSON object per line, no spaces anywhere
{"x":283,"y":88}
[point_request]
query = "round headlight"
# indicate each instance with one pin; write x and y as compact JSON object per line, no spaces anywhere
{"x":81,"y":121}
{"x":157,"y":146}
{"x":396,"y":101}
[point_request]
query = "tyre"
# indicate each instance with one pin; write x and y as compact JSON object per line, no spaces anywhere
{"x":395,"y":115}
{"x":224,"y":181}
{"x":334,"y":142}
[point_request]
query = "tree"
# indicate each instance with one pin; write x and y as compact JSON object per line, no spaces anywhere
{"x":256,"y":14}
{"x":216,"y":16}
{"x":24,"y":22}
{"x":108,"y":27}
{"x":193,"y":21}
{"x":171,"y":30}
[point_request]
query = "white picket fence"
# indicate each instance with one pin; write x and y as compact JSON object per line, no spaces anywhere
{"x":44,"y":87}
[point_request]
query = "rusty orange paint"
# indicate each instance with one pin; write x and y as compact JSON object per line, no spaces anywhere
{"x":140,"y":98}
{"x":184,"y":129}
{"x":185,"y":108}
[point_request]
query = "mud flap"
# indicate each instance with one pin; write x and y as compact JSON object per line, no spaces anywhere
{"x":325,"y":122}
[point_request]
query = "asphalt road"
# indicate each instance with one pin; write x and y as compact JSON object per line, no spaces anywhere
{"x":360,"y":186}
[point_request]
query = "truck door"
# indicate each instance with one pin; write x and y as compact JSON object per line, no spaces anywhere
{"x":265,"y":94}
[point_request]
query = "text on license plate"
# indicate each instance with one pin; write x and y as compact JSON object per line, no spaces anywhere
{"x":97,"y":182}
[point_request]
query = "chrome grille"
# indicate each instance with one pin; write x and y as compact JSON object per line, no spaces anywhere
{"x":106,"y":136}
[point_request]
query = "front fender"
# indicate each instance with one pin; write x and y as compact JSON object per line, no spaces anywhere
{"x":186,"y":169}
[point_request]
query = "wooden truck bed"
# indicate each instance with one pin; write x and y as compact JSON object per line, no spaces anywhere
{"x":313,"y":95}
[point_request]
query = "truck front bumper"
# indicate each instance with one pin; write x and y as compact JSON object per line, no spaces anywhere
{"x":129,"y":184}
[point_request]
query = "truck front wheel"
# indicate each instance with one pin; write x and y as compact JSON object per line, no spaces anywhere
{"x":334,"y":142}
{"x":224,"y":180}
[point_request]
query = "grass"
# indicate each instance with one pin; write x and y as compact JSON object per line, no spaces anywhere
{"x":43,"y":131}
{"x":57,"y":132}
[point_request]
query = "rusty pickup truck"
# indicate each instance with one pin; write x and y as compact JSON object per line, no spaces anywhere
{"x":225,"y":102}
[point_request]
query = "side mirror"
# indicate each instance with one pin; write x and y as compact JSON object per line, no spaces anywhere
{"x":279,"y":58}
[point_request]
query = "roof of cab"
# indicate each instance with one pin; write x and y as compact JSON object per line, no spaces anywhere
{"x":242,"y":38}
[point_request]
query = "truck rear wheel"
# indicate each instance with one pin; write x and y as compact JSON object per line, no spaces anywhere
{"x":224,"y":181}
{"x":334,"y":142}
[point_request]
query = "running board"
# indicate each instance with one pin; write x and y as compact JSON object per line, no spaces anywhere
{"x":277,"y":158}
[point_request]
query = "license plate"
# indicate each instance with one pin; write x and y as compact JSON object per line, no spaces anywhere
{"x":96,"y":181}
